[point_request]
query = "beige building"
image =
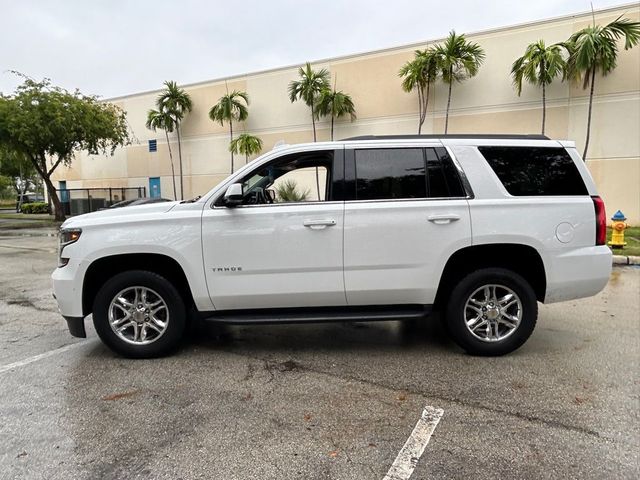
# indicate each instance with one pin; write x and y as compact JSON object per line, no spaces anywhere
{"x":486,"y":103}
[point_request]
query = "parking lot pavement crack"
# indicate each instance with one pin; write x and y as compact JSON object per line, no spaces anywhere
{"x":440,"y":398}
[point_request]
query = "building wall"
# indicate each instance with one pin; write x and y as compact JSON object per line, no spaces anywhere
{"x":486,"y":103}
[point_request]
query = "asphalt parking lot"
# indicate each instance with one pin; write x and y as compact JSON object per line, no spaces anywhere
{"x":327,"y":401}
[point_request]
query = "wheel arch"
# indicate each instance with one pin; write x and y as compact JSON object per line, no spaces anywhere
{"x":522,"y":259}
{"x":102,"y":269}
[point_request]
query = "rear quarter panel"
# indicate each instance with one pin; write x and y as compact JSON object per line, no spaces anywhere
{"x":560,"y":228}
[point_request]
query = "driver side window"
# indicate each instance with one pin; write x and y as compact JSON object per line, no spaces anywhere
{"x":295,"y":178}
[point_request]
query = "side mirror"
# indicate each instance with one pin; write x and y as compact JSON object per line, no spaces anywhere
{"x":233,"y":196}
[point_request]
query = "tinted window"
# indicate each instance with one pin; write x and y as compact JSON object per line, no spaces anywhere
{"x":390,"y":173}
{"x":451,"y":174}
{"x":443,"y":177}
{"x":535,"y":170}
{"x":435,"y":174}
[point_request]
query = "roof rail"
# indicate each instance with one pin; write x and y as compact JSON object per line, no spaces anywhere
{"x":472,"y":136}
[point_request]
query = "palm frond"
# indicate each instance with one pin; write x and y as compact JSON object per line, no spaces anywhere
{"x":539,"y":65}
{"x":309,"y":86}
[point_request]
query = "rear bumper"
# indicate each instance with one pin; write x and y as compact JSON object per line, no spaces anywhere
{"x":578,"y":273}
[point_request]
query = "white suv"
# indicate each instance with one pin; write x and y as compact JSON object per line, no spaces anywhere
{"x":370,"y":228}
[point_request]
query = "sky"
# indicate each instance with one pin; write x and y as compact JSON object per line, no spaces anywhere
{"x":117,"y":47}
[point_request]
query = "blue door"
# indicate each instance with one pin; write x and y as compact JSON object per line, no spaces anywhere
{"x":154,"y":187}
{"x":64,"y":194}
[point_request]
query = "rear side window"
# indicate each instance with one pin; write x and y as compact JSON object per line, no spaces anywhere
{"x":532,"y":171}
{"x":406,"y":173}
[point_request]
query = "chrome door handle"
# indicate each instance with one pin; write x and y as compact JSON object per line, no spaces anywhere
{"x":319,"y":224}
{"x":443,"y":219}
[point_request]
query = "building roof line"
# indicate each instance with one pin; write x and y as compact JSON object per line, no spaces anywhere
{"x":240,"y":76}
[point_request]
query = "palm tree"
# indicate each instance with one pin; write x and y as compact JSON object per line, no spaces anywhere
{"x":230,"y":107}
{"x":176,"y":103}
{"x":163,"y":121}
{"x":418,"y":74}
{"x":539,"y":65}
{"x":288,"y":191}
{"x":309,"y":88}
{"x":596,"y":48}
{"x":457,"y":60}
{"x":246,"y":144}
{"x":335,"y":104}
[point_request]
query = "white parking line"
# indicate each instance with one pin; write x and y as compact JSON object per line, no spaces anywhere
{"x":35,"y":358}
{"x":407,"y":459}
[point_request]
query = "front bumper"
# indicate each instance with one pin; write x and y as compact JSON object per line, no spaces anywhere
{"x":67,"y":289}
{"x":76,"y":326}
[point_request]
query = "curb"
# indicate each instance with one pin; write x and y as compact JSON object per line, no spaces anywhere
{"x":624,"y":260}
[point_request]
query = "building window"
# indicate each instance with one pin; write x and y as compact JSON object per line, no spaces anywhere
{"x":153,"y":145}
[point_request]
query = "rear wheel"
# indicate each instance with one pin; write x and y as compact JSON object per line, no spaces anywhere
{"x":491,"y":311}
{"x":139,"y":314}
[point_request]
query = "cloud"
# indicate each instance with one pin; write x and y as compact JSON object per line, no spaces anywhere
{"x":118,"y":47}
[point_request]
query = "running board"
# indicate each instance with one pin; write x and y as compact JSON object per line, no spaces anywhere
{"x":318,"y":314}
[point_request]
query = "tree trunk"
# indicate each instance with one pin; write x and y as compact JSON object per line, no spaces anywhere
{"x":332,"y":128}
{"x":180,"y":157}
{"x":425,"y":102}
{"x":313,"y":123}
{"x":51,"y":190}
{"x":53,"y":195}
{"x":21,"y":190}
{"x":231,"y":135}
{"x":586,"y":142}
{"x":419,"y":109}
{"x":544,"y":106}
{"x":446,"y":121}
{"x":173,"y":172}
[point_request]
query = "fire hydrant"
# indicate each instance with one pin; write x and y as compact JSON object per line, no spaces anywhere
{"x":618,"y":226}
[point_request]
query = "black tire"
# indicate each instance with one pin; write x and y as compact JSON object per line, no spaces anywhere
{"x":175,"y":326}
{"x":455,"y":311}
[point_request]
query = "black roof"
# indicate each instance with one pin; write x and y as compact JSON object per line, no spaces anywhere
{"x":469,"y":136}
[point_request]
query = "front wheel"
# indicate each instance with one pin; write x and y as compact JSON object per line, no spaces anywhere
{"x":491,"y":311}
{"x":139,"y":314}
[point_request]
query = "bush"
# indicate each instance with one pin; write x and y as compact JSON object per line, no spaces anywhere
{"x":35,"y":207}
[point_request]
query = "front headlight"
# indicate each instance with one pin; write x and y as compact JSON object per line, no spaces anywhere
{"x":66,"y":236}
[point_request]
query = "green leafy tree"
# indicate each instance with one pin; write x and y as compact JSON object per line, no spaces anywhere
{"x":176,"y":103}
{"x":335,"y":104}
{"x":246,"y":145}
{"x":539,"y":66}
{"x":163,"y":121}
{"x":309,"y":88}
{"x":17,"y":167}
{"x":419,"y":74}
{"x":595,"y":48}
{"x":6,"y":187}
{"x":230,"y":107}
{"x":457,"y":61}
{"x":49,"y":125}
{"x":287,"y":191}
